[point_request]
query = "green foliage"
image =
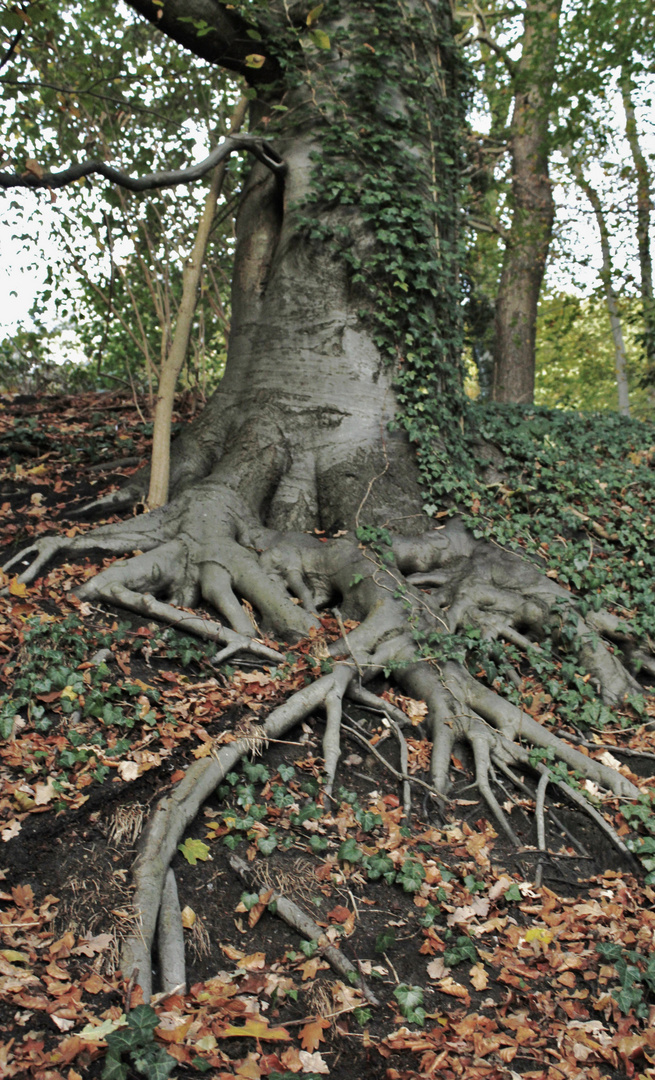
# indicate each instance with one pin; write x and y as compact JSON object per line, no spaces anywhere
{"x":411,"y":875}
{"x":557,"y":770}
{"x":567,"y":477}
{"x":50,"y":657}
{"x":385,"y":940}
{"x":350,"y":851}
{"x":267,"y":844}
{"x":249,"y":900}
{"x":136,"y":1042}
{"x":118,"y":276}
{"x":187,"y":650}
{"x":378,"y":866}
{"x":379,"y":540}
{"x":575,"y":354}
{"x":255,"y":771}
{"x":636,"y":972}
{"x":309,"y":948}
{"x":293,"y":1076}
{"x":410,"y":1002}
{"x":463,"y":949}
{"x":194,"y":850}
{"x":473,"y":885}
{"x":642,"y":814}
{"x":575,"y":496}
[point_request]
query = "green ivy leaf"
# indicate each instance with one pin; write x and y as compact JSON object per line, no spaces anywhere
{"x":114,"y":1069}
{"x":249,"y":899}
{"x":350,"y":852}
{"x":385,"y":940}
{"x":267,"y":844}
{"x":143,"y":1020}
{"x":201,"y":1064}
{"x":408,"y":997}
{"x":157,"y":1065}
{"x":123,"y":1041}
{"x":314,"y":14}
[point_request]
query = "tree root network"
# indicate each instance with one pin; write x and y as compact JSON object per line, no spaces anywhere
{"x":209,"y":545}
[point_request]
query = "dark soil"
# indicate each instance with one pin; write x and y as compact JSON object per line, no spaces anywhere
{"x":82,"y":855}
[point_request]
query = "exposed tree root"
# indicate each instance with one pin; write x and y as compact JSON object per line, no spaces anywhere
{"x":298,"y":920}
{"x":178,"y":809}
{"x":210,"y":543}
{"x":401,"y":774}
{"x":557,"y":822}
{"x":170,"y":938}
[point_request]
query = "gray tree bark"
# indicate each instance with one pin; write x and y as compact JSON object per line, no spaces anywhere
{"x":644,"y":211}
{"x":533,"y":208}
{"x":620,"y":360}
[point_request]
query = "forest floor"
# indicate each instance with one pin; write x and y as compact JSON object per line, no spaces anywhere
{"x":479,"y":972}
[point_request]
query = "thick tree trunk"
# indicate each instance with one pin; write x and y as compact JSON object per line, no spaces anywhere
{"x":533,"y":208}
{"x":304,"y":372}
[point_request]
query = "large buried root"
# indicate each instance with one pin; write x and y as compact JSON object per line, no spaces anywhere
{"x":210,"y":544}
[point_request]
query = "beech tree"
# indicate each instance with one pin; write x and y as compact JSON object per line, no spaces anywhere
{"x":325,"y":471}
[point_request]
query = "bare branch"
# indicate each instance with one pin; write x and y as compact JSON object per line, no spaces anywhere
{"x":487,"y":226}
{"x":262,"y":150}
{"x":11,"y":49}
{"x":485,"y":38}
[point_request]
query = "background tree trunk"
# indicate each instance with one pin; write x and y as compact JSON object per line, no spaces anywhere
{"x":620,"y":362}
{"x":533,"y":208}
{"x":644,"y":210}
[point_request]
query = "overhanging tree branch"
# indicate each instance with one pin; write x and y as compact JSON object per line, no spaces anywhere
{"x":213,"y":31}
{"x":485,"y":38}
{"x":34,"y":178}
{"x":11,"y":49}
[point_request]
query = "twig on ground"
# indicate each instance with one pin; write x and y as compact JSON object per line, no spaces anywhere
{"x":296,"y":918}
{"x":362,"y":739}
